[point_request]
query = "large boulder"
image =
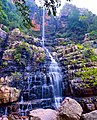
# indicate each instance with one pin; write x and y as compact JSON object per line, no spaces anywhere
{"x":90,"y":116}
{"x":70,"y":109}
{"x":43,"y":114}
{"x":8,"y":94}
{"x":3,"y":118}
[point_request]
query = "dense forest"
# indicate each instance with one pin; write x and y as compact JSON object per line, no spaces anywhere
{"x":72,"y":22}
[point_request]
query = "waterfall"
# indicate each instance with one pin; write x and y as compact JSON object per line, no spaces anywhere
{"x":54,"y":71}
{"x":6,"y":111}
{"x":22,"y":99}
{"x":40,"y":87}
{"x":43,"y":27}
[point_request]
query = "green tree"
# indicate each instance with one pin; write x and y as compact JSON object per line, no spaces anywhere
{"x":51,"y":6}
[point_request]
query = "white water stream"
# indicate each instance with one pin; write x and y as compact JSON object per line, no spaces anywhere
{"x":54,"y":70}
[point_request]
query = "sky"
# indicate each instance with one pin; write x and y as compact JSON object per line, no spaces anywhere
{"x":91,"y":5}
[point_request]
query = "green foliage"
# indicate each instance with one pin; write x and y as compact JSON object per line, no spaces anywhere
{"x":17,"y":75}
{"x":25,"y":13}
{"x":61,"y":35}
{"x":93,"y":34}
{"x":80,"y":46}
{"x":20,"y":47}
{"x":51,"y":6}
{"x":5,"y":63}
{"x":10,"y":17}
{"x":95,"y":83}
{"x":75,"y":23}
{"x":65,"y":43}
{"x":83,"y":17}
{"x":93,"y":57}
{"x":74,"y":61}
{"x":88,"y":74}
{"x":89,"y":54}
{"x":18,"y":53}
{"x":17,"y":57}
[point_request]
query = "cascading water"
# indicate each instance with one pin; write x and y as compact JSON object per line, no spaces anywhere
{"x":43,"y":27}
{"x":6,"y":111}
{"x":54,"y":71}
{"x":39,"y":88}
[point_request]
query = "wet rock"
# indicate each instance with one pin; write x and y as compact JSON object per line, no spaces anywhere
{"x":43,"y":114}
{"x":86,"y":38}
{"x":14,"y":117}
{"x":8,"y":54}
{"x":88,"y":103}
{"x":15,"y":44}
{"x":8,"y":94}
{"x":6,"y":79}
{"x":90,"y":116}
{"x":78,"y":89}
{"x":3,"y":34}
{"x":70,"y":110}
{"x":15,"y":32}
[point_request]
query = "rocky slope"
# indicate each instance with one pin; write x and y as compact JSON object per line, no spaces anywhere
{"x":22,"y":57}
{"x":81,"y":63}
{"x":20,"y":54}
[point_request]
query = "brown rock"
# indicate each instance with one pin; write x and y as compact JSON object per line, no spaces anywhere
{"x":14,"y":117}
{"x":6,"y":79}
{"x":8,"y":94}
{"x":70,"y":110}
{"x":8,"y":54}
{"x":43,"y":114}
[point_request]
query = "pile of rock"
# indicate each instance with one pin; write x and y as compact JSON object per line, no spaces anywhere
{"x":70,"y":109}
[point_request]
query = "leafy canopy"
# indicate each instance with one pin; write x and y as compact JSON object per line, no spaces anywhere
{"x":51,"y":6}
